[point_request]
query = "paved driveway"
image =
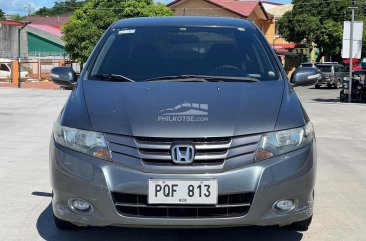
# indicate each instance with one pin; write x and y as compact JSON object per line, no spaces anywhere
{"x":26,"y":118}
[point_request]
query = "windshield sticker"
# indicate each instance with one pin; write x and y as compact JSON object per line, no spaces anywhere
{"x":186,"y":112}
{"x":127,"y":31}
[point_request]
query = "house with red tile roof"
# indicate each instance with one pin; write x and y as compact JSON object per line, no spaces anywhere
{"x":245,"y":9}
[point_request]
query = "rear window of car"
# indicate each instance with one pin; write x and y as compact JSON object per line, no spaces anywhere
{"x":325,"y":68}
{"x":150,"y":52}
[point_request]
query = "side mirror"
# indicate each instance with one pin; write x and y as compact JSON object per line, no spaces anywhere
{"x":305,"y":76}
{"x":64,"y":76}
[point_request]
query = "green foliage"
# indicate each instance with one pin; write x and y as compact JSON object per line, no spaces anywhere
{"x":2,"y":15}
{"x":17,"y":17}
{"x":319,"y":22}
{"x":60,"y":8}
{"x":88,"y":24}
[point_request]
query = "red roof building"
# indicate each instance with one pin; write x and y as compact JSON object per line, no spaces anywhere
{"x":42,"y":37}
{"x":12,"y":23}
{"x":243,"y":9}
{"x":55,"y":21}
{"x":246,"y":9}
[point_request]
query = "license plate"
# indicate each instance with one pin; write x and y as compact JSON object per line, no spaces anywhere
{"x":169,"y":191}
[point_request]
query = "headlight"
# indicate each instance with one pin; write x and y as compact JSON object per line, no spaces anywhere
{"x":87,"y":142}
{"x":280,"y":142}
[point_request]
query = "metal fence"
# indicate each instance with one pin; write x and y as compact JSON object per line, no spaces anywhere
{"x":37,"y":69}
{"x":31,"y":55}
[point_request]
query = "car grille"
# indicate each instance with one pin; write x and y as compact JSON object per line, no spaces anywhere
{"x":156,"y":151}
{"x":135,"y":205}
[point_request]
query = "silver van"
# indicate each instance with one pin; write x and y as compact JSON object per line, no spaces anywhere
{"x":333,"y":74}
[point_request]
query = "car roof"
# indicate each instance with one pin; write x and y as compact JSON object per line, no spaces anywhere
{"x":184,"y":21}
{"x":328,"y":63}
{"x":5,"y":60}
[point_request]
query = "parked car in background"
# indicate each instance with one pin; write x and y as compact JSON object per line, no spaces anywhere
{"x":358,"y":87}
{"x":5,"y":69}
{"x":301,"y":72}
{"x":363,"y":65}
{"x":333,"y":74}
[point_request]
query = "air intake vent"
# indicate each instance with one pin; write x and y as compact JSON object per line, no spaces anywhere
{"x":228,"y":206}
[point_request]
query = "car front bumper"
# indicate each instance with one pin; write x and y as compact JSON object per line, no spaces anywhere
{"x":326,"y":81}
{"x":75,"y":175}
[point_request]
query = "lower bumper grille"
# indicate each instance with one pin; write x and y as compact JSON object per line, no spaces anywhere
{"x":231,"y":205}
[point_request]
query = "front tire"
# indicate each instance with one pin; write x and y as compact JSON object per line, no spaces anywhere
{"x":337,"y":85}
{"x":64,"y":225}
{"x":317,"y":86}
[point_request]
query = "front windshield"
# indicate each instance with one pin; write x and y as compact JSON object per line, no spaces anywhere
{"x":150,"y":52}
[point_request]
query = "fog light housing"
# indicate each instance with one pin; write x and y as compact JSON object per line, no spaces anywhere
{"x":80,"y":206}
{"x":284,"y":206}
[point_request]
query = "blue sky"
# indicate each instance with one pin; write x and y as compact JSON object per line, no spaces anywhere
{"x":20,"y":6}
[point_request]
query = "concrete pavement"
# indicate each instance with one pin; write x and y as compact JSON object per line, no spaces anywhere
{"x":26,"y":118}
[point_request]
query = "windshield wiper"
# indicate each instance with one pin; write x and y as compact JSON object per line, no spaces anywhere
{"x":203,"y":78}
{"x":178,"y":78}
{"x":112,"y":77}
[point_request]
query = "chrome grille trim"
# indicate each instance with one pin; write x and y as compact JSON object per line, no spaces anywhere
{"x":166,"y":146}
{"x":213,"y":154}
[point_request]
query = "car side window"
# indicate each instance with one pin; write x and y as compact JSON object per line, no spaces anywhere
{"x":3,"y":67}
{"x":337,"y":69}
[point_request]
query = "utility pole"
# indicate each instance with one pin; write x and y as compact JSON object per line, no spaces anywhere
{"x":19,"y":54}
{"x":353,"y":7}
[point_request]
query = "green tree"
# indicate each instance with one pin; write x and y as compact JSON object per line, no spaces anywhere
{"x":60,"y":8}
{"x":319,"y":22}
{"x":88,"y":24}
{"x":17,"y":17}
{"x":2,"y":15}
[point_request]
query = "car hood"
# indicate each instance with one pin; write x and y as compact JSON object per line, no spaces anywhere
{"x":183,"y":109}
